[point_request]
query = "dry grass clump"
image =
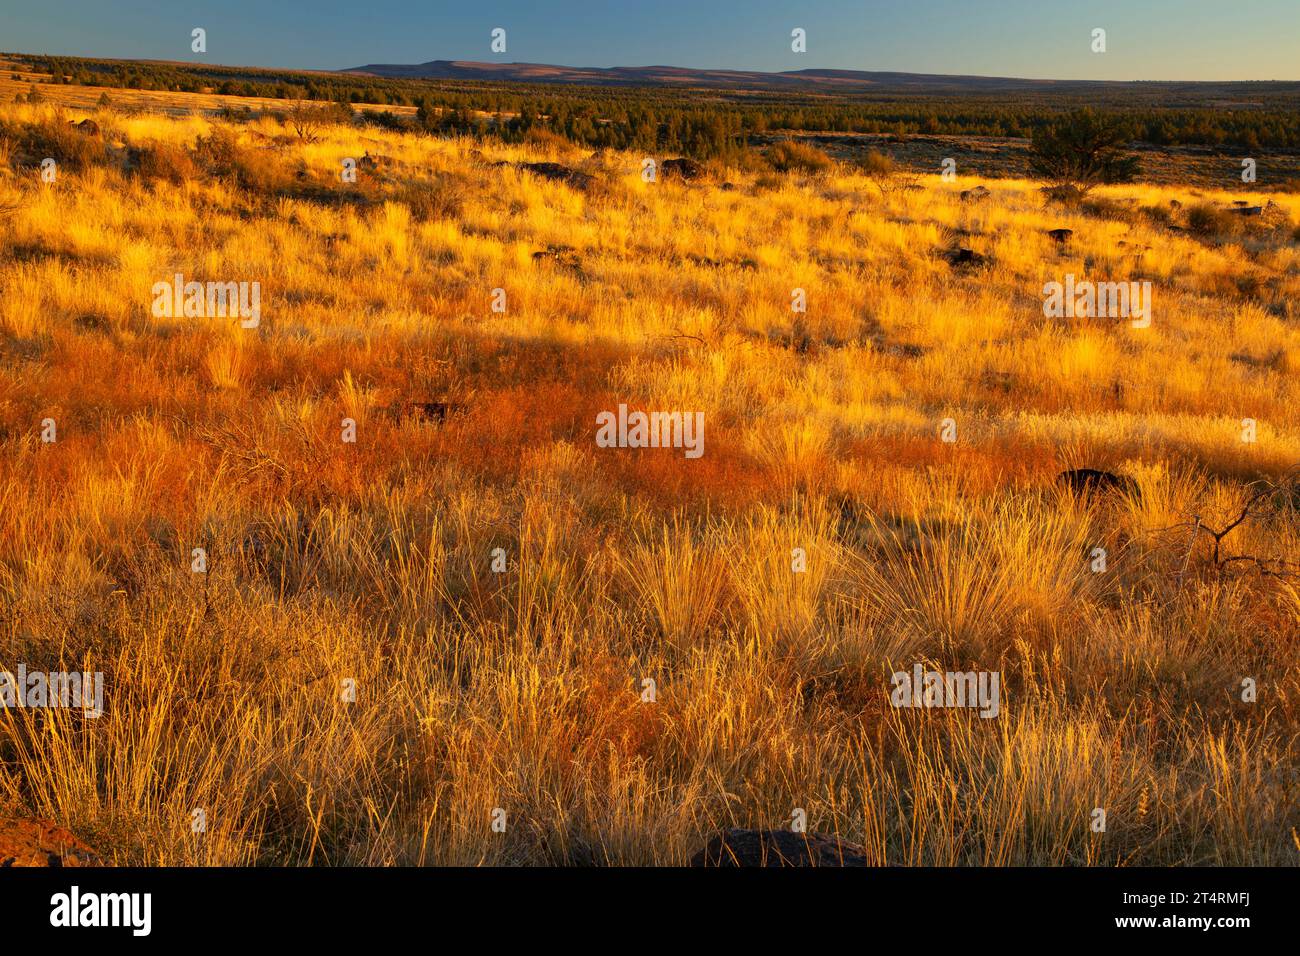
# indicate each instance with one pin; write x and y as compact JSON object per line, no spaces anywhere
{"x":52,"y":136}
{"x":789,"y":156}
{"x":259,"y":171}
{"x":165,"y":162}
{"x":1209,"y":221}
{"x":436,"y":199}
{"x":548,"y":143}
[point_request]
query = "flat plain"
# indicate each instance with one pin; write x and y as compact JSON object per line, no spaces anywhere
{"x":369,"y":565}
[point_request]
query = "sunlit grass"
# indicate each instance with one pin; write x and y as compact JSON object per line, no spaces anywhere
{"x":520,"y":686}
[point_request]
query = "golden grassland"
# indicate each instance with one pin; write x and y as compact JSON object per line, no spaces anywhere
{"x":522,"y":690}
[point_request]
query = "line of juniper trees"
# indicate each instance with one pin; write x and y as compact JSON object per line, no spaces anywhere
{"x":715,"y":123}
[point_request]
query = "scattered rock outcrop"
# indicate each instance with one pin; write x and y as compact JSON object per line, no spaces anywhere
{"x":777,"y":848}
{"x":35,"y":842}
{"x":681,"y":169}
{"x":558,"y":172}
{"x":964,"y":258}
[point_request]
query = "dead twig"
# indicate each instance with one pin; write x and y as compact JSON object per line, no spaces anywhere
{"x":678,"y":334}
{"x":1266,"y":502}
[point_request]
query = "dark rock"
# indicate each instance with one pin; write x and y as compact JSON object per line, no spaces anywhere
{"x":557,"y":172}
{"x":1088,"y":480}
{"x":35,"y":842}
{"x":972,"y":195}
{"x":727,"y":187}
{"x":1062,"y":236}
{"x":681,"y":169}
{"x":1247,"y":210}
{"x":964,"y":257}
{"x":777,"y":848}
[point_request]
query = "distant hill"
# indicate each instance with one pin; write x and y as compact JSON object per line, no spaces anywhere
{"x":809,"y":81}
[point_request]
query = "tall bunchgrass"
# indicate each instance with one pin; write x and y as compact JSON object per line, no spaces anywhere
{"x":500,"y":594}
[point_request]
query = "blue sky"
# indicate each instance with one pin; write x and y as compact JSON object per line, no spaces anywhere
{"x":1146,"y":39}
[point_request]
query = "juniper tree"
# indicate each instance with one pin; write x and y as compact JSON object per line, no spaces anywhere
{"x":1081,"y":150}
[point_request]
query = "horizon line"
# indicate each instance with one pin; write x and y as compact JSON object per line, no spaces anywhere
{"x":651,"y":66}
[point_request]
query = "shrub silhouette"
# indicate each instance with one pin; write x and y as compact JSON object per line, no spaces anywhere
{"x":1082,"y":150}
